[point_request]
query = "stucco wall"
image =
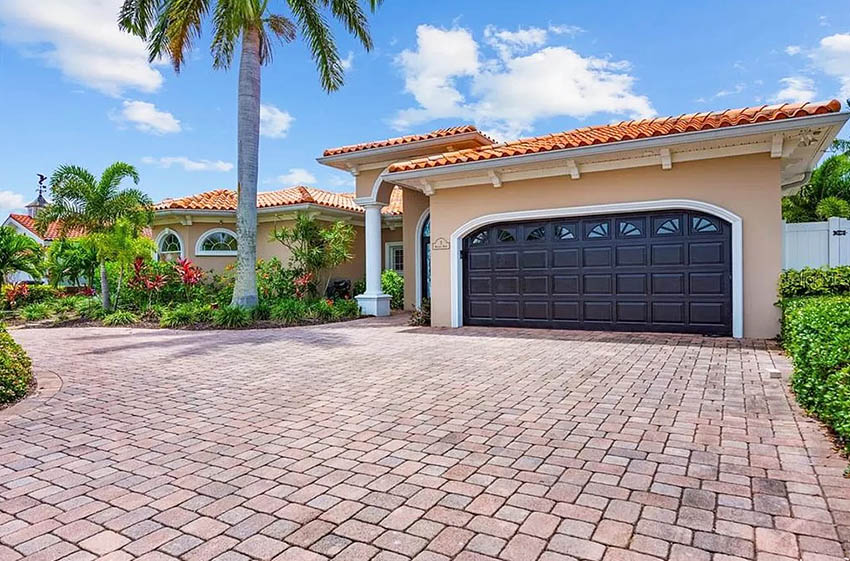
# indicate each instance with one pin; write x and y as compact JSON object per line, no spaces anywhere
{"x":746,"y":185}
{"x":353,"y":270}
{"x":415,"y":203}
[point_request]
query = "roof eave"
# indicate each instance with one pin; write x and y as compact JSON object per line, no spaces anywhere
{"x":823,"y":120}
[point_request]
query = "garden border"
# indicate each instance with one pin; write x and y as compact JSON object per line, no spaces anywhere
{"x":48,"y":384}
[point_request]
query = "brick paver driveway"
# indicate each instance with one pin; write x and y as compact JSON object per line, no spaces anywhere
{"x":370,"y":440}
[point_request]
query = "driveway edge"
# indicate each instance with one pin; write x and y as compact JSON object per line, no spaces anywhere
{"x":48,"y":384}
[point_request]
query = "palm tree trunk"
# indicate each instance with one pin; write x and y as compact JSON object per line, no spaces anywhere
{"x":245,"y":289}
{"x":104,"y":286}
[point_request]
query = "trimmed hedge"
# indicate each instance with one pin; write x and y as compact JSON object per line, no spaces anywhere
{"x":795,"y":283}
{"x":15,"y":369}
{"x":816,"y":333}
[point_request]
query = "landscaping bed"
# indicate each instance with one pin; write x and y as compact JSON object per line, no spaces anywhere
{"x":16,"y":379}
{"x":816,"y":334}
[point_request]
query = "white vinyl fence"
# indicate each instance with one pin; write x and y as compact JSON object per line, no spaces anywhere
{"x":817,"y":244}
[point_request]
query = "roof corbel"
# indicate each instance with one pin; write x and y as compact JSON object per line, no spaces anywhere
{"x":495,"y":178}
{"x":776,"y":145}
{"x":427,"y":187}
{"x":572,"y":169}
{"x":666,"y":159}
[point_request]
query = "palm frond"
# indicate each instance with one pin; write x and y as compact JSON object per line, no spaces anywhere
{"x":226,"y":33}
{"x":65,"y":172}
{"x":282,"y":27}
{"x":184,"y":25}
{"x":354,"y":19}
{"x":314,"y":28}
{"x":116,"y":173}
{"x":138,"y":16}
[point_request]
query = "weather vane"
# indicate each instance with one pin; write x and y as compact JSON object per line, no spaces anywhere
{"x":41,"y":185}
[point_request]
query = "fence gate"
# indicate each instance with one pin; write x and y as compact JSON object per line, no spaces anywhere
{"x":817,"y":244}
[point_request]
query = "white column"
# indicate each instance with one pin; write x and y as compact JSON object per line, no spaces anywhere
{"x":374,"y":302}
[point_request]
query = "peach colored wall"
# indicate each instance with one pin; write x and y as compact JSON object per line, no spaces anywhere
{"x":364,"y":182}
{"x":749,"y":186}
{"x":353,"y":270}
{"x":415,"y":203}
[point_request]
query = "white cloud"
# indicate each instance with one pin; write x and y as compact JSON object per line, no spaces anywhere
{"x":792,"y":50}
{"x":346,"y":181}
{"x":188,"y":164}
{"x":832,"y":56}
{"x":348,"y":62}
{"x":506,"y":94}
{"x":146,"y":117}
{"x":81,"y":39}
{"x":731,"y":91}
{"x":274,"y":123}
{"x":297,"y":176}
{"x":795,"y":89}
{"x":10,"y":200}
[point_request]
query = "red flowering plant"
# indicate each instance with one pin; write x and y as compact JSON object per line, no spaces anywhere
{"x":146,"y":280}
{"x":304,"y":285}
{"x":15,"y":293}
{"x":190,"y":275}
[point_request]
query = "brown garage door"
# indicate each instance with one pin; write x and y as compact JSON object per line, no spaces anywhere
{"x":660,"y":271}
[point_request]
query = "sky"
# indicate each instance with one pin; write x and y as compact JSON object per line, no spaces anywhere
{"x":74,"y":89}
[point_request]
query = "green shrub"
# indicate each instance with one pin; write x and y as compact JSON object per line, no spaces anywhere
{"x":289,"y":311}
{"x":231,"y":317}
{"x":421,"y":316}
{"x":262,"y":311}
{"x":794,"y":283}
{"x":359,"y":287}
{"x":186,"y":313}
{"x":120,"y":317}
{"x":34,"y":293}
{"x":322,"y":310}
{"x":392,"y":283}
{"x":89,"y":308}
{"x":816,"y":333}
{"x":15,"y":369}
{"x":36,"y":312}
{"x":274,"y":281}
{"x":347,"y":308}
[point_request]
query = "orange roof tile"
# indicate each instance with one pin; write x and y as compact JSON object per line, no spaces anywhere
{"x":53,"y":230}
{"x":440,"y":133}
{"x":625,"y":130}
{"x":225,"y":199}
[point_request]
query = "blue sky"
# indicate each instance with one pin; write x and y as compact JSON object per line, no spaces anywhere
{"x":74,"y":89}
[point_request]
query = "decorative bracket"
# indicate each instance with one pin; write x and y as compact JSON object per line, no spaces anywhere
{"x":354,"y":170}
{"x":495,"y":178}
{"x":666,"y":159}
{"x":427,"y":187}
{"x":572,"y":169}
{"x":776,"y":145}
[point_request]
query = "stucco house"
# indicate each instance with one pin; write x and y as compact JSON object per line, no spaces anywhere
{"x":667,"y":224}
{"x":202,"y":227}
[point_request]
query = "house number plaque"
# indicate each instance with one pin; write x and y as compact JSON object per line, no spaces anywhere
{"x":440,"y":243}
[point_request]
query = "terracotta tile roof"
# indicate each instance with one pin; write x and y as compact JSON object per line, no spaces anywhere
{"x":440,"y":133}
{"x":625,"y":130}
{"x":53,"y":229}
{"x":225,"y":199}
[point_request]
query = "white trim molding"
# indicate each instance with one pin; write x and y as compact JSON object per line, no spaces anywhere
{"x":164,"y":233}
{"x":417,"y":265}
{"x":638,"y":206}
{"x":198,"y":244}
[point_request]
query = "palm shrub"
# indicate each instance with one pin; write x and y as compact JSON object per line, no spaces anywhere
{"x":15,"y":369}
{"x":289,"y":311}
{"x":169,"y":28}
{"x":68,"y":261}
{"x":186,"y":313}
{"x":89,"y":308}
{"x":82,"y":202}
{"x":832,"y":207}
{"x":392,"y":283}
{"x":830,"y":180}
{"x":36,"y":312}
{"x":19,"y":252}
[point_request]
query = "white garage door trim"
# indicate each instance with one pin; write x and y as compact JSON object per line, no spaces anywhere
{"x":662,"y":204}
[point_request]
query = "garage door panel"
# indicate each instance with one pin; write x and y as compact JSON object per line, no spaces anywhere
{"x":565,"y":284}
{"x":565,"y":258}
{"x":661,"y":271}
{"x":598,"y":284}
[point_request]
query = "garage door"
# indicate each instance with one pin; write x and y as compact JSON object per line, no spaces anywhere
{"x":661,"y":271}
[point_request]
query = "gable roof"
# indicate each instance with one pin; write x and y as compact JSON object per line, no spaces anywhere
{"x":225,"y":200}
{"x":399,"y":140}
{"x":623,"y":131}
{"x":53,"y":230}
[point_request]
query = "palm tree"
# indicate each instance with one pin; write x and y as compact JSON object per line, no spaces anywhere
{"x":82,"y":202}
{"x":831,"y":179}
{"x":19,"y":252}
{"x":170,"y":26}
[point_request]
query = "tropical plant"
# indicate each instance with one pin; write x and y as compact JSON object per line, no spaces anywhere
{"x":120,"y":317}
{"x":82,"y":202}
{"x":832,"y":207}
{"x":19,"y":252}
{"x":392,"y":283}
{"x":831,"y":179}
{"x":15,"y":294}
{"x":421,"y":316}
{"x":231,"y":317}
{"x":314,"y":249}
{"x":186,"y":313}
{"x":289,"y":311}
{"x":122,"y":244}
{"x":36,"y":312}
{"x":170,"y":26}
{"x":69,"y":260}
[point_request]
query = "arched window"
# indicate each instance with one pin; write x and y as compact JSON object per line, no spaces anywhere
{"x":169,"y":246}
{"x":219,"y":241}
